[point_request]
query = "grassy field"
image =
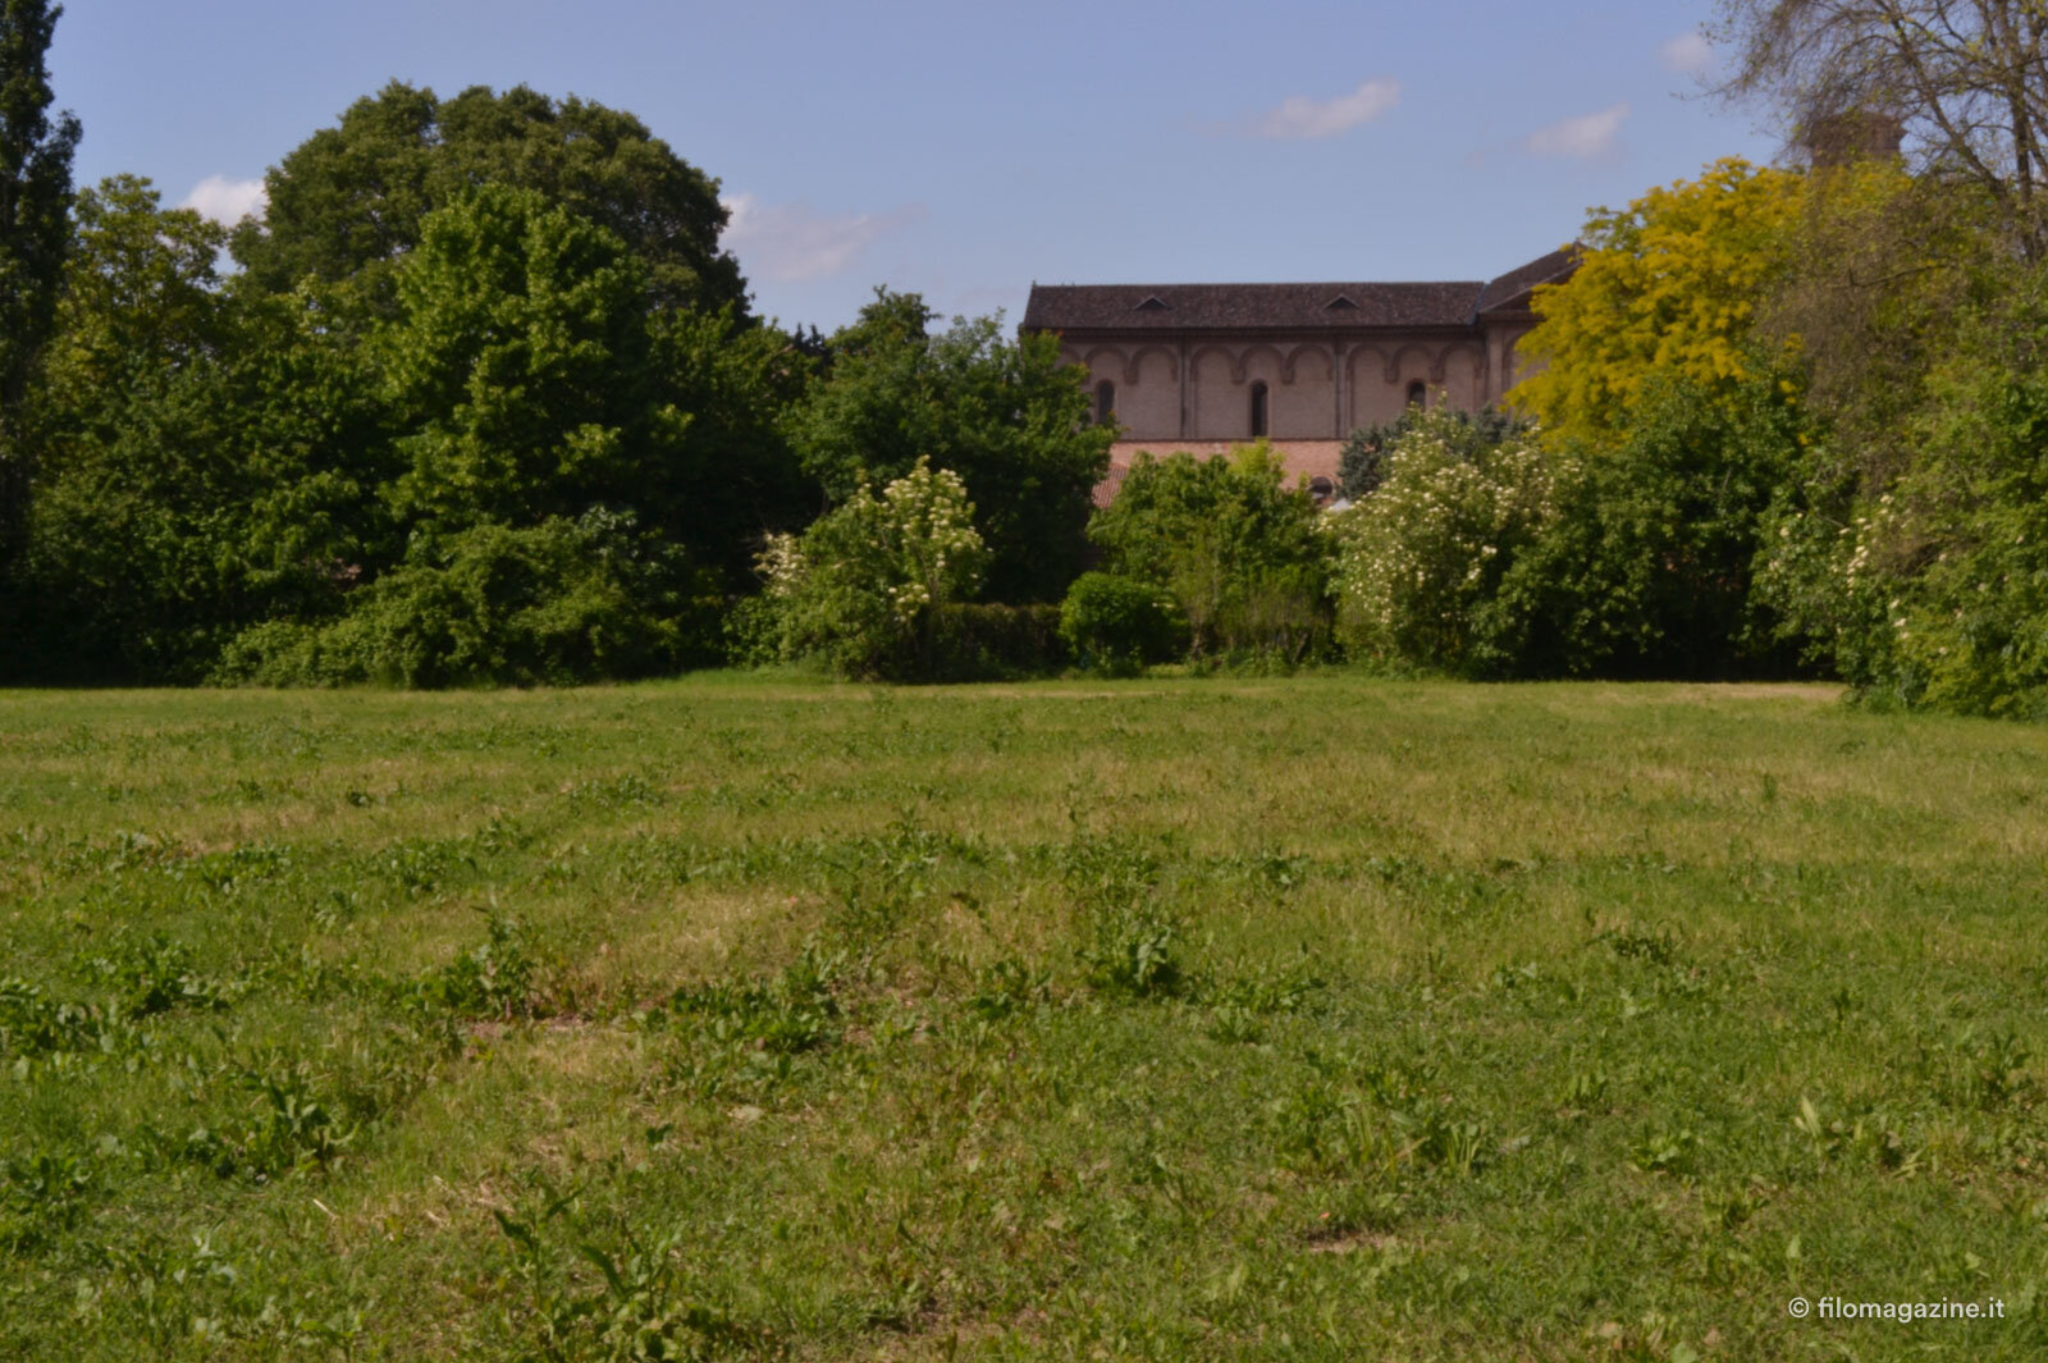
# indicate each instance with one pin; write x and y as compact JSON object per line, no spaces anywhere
{"x":746,"y":1017}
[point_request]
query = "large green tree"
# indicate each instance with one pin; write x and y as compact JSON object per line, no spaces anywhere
{"x":531,"y":380}
{"x":352,"y":199}
{"x":35,"y":196}
{"x":209,"y":460}
{"x":1005,"y":415}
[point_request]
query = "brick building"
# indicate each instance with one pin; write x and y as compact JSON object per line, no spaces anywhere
{"x":1203,"y":366}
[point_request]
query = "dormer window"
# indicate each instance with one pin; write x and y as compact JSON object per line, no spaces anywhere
{"x":1152,"y":303}
{"x":1341,"y":303}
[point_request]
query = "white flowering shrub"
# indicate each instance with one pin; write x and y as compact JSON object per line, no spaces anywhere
{"x":927,"y":551}
{"x":780,"y":565}
{"x":1420,"y":561}
{"x":857,"y":592}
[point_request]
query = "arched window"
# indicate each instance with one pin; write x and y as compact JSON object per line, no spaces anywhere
{"x":1105,"y":402}
{"x":1258,"y":410}
{"x":1418,"y":394}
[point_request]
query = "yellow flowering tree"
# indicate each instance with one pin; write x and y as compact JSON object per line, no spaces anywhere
{"x":1669,"y":287}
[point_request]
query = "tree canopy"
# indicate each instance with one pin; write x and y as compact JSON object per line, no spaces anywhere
{"x":35,"y":193}
{"x":1004,"y":414}
{"x":1966,"y":79}
{"x":1670,"y":285}
{"x":355,"y":197}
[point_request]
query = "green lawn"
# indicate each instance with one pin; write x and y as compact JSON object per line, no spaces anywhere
{"x":1317,"y":1018}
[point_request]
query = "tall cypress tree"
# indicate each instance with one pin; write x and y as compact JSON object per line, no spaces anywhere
{"x":35,"y":202}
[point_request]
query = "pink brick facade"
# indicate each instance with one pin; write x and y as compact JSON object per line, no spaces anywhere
{"x":1203,"y":367}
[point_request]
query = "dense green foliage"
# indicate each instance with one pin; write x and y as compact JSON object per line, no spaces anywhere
{"x":1649,"y":569}
{"x":1421,"y":561}
{"x":467,"y":337}
{"x":1362,"y":462}
{"x":861,"y":590}
{"x":549,"y":604}
{"x":217,"y":461}
{"x":1115,"y":625}
{"x":1316,"y":1019}
{"x":205,"y":465}
{"x":991,"y":641}
{"x":1240,"y":552}
{"x":35,"y":191}
{"x":1005,"y":415}
{"x":1904,"y":547}
{"x":354,"y":199}
{"x":1924,"y":583}
{"x":483,"y":404}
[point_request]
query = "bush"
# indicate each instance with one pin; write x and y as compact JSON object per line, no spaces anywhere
{"x":558,"y":603}
{"x":1118,"y":624}
{"x":1647,"y":568}
{"x":989,"y":642}
{"x":1362,"y":463}
{"x":1935,"y":593}
{"x":1240,"y":553}
{"x":860,"y":590}
{"x":1420,"y":561}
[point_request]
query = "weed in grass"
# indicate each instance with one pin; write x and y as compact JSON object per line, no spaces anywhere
{"x":40,"y":1197}
{"x":1234,"y":1026}
{"x":624,"y":791}
{"x":1435,"y":1136}
{"x":1005,"y":988}
{"x":1584,"y":1090}
{"x":794,"y":1012}
{"x":1664,"y":1150}
{"x":638,"y":1306}
{"x":1988,"y":1073}
{"x":294,"y":1127}
{"x":493,"y":979}
{"x":746,"y":1036}
{"x":33,"y":1026}
{"x":1132,"y":952}
{"x":420,"y":866}
{"x":1630,"y":944}
{"x":153,"y":974}
{"x":1269,"y":989}
{"x":237,"y":868}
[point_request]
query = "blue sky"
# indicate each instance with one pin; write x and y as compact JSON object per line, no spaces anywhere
{"x":965,"y":150}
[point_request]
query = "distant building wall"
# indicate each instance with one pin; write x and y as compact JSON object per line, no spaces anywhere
{"x":1311,"y":393}
{"x":1205,"y":366}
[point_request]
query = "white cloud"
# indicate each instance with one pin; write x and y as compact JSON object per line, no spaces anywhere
{"x":227,"y":201}
{"x":793,"y":241}
{"x":1300,"y":116}
{"x":1689,"y":54}
{"x":1585,"y":137}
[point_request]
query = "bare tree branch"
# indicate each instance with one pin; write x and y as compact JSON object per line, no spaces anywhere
{"x":1968,"y":80}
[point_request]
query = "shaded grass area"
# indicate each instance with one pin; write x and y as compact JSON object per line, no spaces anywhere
{"x":744,"y":1017}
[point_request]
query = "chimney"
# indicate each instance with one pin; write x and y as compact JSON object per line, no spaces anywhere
{"x":1839,"y":139}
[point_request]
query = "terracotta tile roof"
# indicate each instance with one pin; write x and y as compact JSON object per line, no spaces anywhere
{"x":1288,"y":307}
